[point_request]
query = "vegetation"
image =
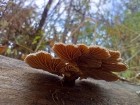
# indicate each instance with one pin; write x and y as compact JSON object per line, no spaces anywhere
{"x":26,"y":28}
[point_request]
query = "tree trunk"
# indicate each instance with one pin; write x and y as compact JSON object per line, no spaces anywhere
{"x":23,"y":85}
{"x":44,"y":15}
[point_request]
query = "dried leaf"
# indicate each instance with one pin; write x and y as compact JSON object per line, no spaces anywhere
{"x":2,"y":49}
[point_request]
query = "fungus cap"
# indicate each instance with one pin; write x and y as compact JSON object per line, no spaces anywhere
{"x":79,"y":61}
{"x":43,"y":60}
{"x":67,"y":52}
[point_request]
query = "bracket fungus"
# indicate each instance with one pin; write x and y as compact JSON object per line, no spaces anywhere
{"x":79,"y":61}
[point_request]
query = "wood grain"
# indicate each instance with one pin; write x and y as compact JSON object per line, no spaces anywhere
{"x":23,"y":85}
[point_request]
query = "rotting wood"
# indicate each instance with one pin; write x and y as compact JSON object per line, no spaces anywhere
{"x":23,"y":85}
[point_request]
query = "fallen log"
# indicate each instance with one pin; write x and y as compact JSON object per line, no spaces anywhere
{"x":23,"y":85}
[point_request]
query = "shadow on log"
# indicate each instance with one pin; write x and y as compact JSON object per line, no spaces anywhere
{"x":23,"y":85}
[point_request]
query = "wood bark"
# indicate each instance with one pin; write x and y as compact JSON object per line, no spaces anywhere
{"x":23,"y":85}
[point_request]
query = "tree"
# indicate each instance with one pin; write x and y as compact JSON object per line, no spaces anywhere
{"x":125,"y":36}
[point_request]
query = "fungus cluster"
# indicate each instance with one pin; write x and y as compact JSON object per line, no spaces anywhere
{"x":79,"y":61}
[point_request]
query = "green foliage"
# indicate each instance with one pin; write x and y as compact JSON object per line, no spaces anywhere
{"x":35,"y":40}
{"x":125,"y":36}
{"x":128,"y":74}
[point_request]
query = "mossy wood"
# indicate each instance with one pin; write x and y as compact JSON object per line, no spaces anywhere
{"x":23,"y":85}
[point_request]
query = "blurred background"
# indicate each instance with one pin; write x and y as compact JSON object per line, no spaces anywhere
{"x":27,"y":26}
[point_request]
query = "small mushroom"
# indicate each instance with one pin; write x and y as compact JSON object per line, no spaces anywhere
{"x":114,"y":58}
{"x":99,"y":52}
{"x":43,"y":60}
{"x":86,"y":59}
{"x":115,"y":54}
{"x":115,"y":67}
{"x":67,"y":52}
{"x":99,"y":74}
{"x":92,"y":61}
{"x":105,"y":75}
{"x":83,"y":49}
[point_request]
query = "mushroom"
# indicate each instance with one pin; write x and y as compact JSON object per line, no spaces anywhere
{"x":43,"y":60}
{"x":76,"y":61}
{"x":93,"y":61}
{"x":67,"y":52}
{"x":99,"y":52}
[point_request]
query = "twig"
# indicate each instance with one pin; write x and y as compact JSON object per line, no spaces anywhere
{"x":79,"y":26}
{"x":17,"y":43}
{"x":40,"y":42}
{"x":132,"y":56}
{"x":135,"y":38}
{"x":124,"y":80}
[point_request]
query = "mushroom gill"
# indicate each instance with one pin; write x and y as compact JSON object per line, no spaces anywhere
{"x":67,"y":52}
{"x":43,"y":60}
{"x":76,"y":61}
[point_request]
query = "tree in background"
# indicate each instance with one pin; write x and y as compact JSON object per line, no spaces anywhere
{"x":16,"y":27}
{"x":110,"y":23}
{"x":125,"y":36}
